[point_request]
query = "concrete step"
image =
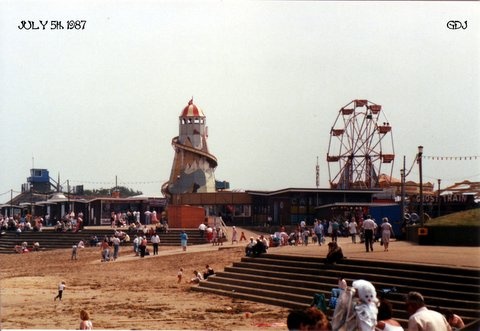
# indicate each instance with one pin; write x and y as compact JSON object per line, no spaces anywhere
{"x":251,"y":297}
{"x":402,"y":284}
{"x":291,"y":281}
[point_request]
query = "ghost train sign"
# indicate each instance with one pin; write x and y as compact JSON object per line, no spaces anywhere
{"x":447,"y":204}
{"x":449,"y":198}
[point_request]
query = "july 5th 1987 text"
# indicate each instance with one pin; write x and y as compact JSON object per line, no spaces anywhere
{"x":53,"y":25}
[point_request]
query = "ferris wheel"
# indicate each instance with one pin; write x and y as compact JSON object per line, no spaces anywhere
{"x":360,"y":151}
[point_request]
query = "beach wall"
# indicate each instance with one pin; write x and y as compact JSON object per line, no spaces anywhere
{"x":444,"y":235}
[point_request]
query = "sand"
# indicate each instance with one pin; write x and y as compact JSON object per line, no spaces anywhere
{"x":133,"y":293}
{"x":130,"y":293}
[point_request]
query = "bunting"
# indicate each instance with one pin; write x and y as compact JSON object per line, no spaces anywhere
{"x":451,"y":158}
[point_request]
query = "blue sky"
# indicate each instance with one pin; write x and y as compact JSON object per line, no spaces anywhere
{"x":271,"y":77}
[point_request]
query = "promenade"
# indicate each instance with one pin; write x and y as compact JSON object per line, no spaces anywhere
{"x":399,"y":251}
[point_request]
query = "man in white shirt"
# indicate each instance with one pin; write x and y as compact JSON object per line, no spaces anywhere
{"x":421,"y":318}
{"x":155,"y":240}
{"x":369,"y":227}
{"x":201,"y":229}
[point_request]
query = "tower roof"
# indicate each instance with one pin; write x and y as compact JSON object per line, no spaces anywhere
{"x":191,"y":110}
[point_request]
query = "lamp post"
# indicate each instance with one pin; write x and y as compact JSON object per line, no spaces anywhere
{"x":402,"y":176}
{"x":439,"y":181}
{"x":419,"y":161}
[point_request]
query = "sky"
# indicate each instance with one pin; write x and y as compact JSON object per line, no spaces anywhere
{"x":100,"y":104}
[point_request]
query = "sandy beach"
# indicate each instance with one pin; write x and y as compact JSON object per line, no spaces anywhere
{"x":134,"y":293}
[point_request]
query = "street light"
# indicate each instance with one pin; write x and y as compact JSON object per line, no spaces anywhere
{"x":439,"y":181}
{"x":402,"y":176}
{"x":419,"y":161}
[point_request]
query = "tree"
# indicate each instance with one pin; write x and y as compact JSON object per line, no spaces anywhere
{"x":124,"y":191}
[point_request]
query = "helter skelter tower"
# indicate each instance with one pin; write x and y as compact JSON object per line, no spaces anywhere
{"x":360,"y":147}
{"x":193,"y":166}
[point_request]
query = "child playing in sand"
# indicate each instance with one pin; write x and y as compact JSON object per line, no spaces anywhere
{"x":61,"y":287}
{"x":179,"y":275}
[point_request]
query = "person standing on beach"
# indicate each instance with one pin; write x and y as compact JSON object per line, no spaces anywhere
{"x":74,"y":251}
{"x":116,"y":247}
{"x":179,"y":275}
{"x":155,"y":240}
{"x":61,"y":287}
{"x":85,"y":323}
{"x":143,"y":245}
{"x":183,"y":240}
{"x":136,"y":244}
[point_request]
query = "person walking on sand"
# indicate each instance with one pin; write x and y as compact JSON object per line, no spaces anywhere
{"x":116,"y":247}
{"x":183,"y":240}
{"x":85,"y":323}
{"x":61,"y":287}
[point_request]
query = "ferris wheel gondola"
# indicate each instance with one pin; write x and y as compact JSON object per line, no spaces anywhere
{"x":360,"y":147}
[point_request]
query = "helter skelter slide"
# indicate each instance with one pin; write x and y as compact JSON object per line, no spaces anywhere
{"x":193,"y":166}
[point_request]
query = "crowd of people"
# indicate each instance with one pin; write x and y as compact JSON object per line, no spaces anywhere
{"x":256,"y":247}
{"x":215,"y":235}
{"x":131,"y":220}
{"x":74,"y":222}
{"x":70,"y":222}
{"x":363,"y":229}
{"x":21,"y":224}
{"x":197,"y":275}
{"x":22,"y":248}
{"x":359,"y":308}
